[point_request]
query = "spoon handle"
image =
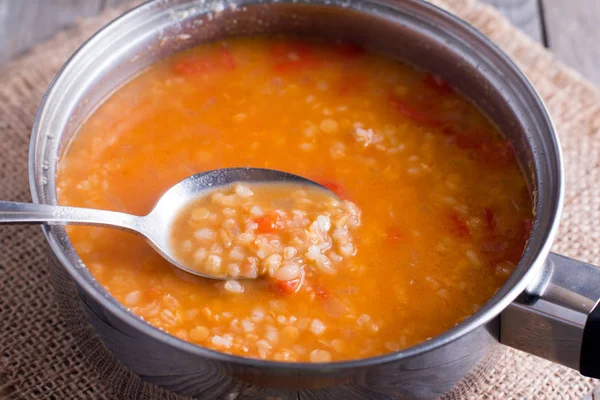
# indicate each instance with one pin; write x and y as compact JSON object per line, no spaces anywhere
{"x":29,"y":213}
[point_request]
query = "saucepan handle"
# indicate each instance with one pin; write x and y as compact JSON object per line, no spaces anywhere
{"x":558,"y":316}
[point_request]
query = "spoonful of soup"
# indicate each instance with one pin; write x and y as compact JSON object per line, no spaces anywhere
{"x":235,"y":223}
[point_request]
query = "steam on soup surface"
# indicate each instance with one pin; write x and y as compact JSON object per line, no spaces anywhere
{"x":443,"y":208}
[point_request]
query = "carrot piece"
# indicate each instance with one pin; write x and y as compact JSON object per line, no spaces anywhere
{"x":437,"y":83}
{"x":413,"y":113}
{"x":458,"y":225}
{"x":270,"y":223}
{"x":228,"y":57}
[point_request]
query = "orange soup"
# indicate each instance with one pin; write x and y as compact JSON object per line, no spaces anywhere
{"x":440,"y":208}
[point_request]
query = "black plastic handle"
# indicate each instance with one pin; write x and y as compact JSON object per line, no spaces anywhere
{"x":589,"y":364}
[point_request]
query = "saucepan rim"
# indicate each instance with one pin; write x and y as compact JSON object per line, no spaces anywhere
{"x":56,"y":236}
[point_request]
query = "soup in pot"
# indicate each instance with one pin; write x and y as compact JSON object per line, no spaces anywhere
{"x":431,"y":211}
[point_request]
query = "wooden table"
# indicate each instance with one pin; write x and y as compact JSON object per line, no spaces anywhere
{"x":570,"y":28}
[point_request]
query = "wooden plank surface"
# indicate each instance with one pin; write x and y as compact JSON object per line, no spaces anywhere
{"x":525,"y":14}
{"x":573,"y":33}
{"x":24,"y":23}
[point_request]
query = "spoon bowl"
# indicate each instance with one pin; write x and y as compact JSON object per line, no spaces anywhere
{"x":155,"y":226}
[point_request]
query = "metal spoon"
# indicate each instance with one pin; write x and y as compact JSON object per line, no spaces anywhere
{"x":154,"y":227}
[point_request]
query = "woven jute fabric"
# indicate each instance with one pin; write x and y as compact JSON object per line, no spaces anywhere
{"x":47,"y":353}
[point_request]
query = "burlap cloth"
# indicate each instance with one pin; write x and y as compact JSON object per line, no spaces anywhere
{"x":42,"y":357}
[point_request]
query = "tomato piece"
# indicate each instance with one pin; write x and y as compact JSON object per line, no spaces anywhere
{"x":413,"y":113}
{"x":490,"y":218}
{"x":334,"y":187}
{"x":349,"y":50}
{"x":228,"y":58}
{"x":458,"y":225}
{"x":289,"y":287}
{"x":437,"y":83}
{"x":270,"y":223}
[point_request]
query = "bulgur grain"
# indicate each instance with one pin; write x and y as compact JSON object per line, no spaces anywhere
{"x":319,"y":356}
{"x":329,"y":125}
{"x":317,"y":327}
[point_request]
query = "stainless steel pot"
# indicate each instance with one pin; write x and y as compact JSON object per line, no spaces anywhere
{"x":542,"y":309}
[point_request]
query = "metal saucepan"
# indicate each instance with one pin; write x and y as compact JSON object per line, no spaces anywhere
{"x":548,"y":307}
